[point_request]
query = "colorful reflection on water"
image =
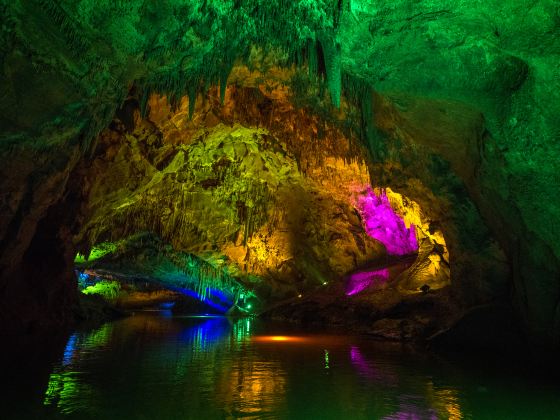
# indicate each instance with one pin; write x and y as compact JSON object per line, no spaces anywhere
{"x":154,"y":366}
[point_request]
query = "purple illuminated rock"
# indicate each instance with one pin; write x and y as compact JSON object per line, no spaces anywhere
{"x":383,"y":224}
{"x":362,"y":280}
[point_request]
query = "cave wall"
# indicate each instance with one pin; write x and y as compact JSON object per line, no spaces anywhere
{"x":433,"y":149}
{"x":501,"y":59}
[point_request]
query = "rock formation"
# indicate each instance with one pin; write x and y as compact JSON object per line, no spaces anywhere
{"x":241,"y":134}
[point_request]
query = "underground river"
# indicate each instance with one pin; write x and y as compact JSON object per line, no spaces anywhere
{"x":153,"y":365}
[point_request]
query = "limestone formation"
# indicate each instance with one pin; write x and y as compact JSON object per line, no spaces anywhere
{"x":238,"y":133}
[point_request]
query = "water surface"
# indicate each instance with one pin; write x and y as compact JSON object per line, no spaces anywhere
{"x":155,"y":366}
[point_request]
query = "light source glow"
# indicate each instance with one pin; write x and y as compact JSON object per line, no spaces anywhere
{"x":279,"y":338}
{"x":382,"y":223}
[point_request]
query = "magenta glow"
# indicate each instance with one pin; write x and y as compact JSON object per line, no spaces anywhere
{"x":383,"y":224}
{"x":358,"y":282}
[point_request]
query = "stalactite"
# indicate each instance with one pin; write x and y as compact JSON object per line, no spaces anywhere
{"x":201,"y":276}
{"x":192,"y":91}
{"x":67,"y":25}
{"x":331,"y":51}
{"x":312,"y":58}
{"x":223,"y":83}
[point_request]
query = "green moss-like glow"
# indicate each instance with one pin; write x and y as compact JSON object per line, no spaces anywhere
{"x":108,"y":289}
{"x":147,"y":258}
{"x":96,"y":253}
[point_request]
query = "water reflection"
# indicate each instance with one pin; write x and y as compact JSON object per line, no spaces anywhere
{"x":446,"y":402}
{"x":65,"y":389}
{"x":187,"y":354}
{"x":252,"y":387}
{"x":205,"y":335}
{"x":152,"y":366}
{"x":445,"y":405}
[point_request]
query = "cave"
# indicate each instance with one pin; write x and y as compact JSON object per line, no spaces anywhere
{"x":284,"y":209}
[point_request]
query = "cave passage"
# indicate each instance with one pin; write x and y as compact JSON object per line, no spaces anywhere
{"x":221,"y":205}
{"x":145,"y":272}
